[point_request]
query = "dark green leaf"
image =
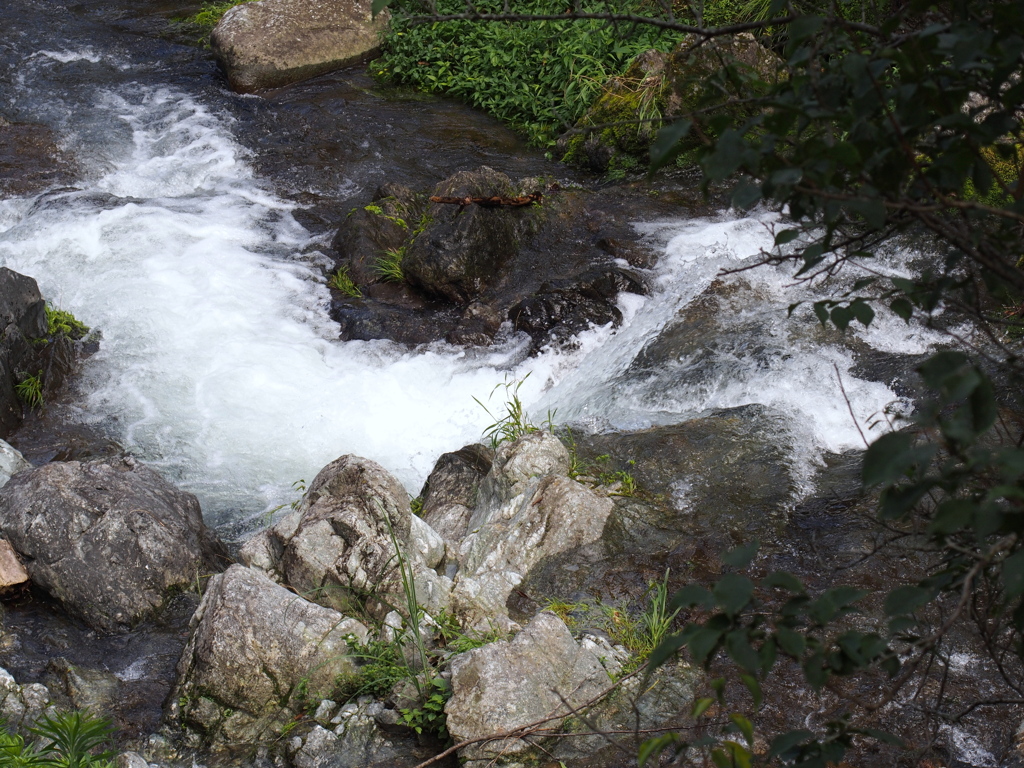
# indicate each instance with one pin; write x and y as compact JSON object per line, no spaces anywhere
{"x":732,"y":592}
{"x":741,"y":556}
{"x":666,"y":146}
{"x":905,"y":600}
{"x":903,"y":308}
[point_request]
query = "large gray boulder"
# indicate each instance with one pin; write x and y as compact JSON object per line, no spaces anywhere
{"x":528,"y":511}
{"x":338,"y":546}
{"x":110,"y":539}
{"x":543,"y":672}
{"x":256,"y":655}
{"x":272,"y":43}
{"x":450,"y":493}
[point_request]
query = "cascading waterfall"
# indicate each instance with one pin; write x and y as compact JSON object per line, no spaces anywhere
{"x":220,"y":367}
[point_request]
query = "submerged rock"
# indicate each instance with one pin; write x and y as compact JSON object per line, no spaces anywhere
{"x":110,"y":539}
{"x":256,"y":654}
{"x":271,"y":43}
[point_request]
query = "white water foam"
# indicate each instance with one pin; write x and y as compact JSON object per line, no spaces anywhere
{"x":218,"y":363}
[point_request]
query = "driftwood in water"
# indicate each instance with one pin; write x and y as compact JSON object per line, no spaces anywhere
{"x":489,"y":202}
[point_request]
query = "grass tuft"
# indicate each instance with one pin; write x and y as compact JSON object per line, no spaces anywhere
{"x":341,"y":281}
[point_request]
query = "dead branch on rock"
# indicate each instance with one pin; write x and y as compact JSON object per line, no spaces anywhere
{"x":490,"y":202}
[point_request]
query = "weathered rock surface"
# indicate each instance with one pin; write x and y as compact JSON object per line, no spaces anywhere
{"x":353,"y":738}
{"x":338,"y":546}
{"x":528,"y":511}
{"x":469,"y":269}
{"x":110,"y":539}
{"x":21,"y":705}
{"x":11,"y":462}
{"x":271,"y":43}
{"x":12,"y":572}
{"x":506,"y":685}
{"x":255,"y":653}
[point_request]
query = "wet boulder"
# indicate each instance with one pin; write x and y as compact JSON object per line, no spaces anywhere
{"x":256,"y":654}
{"x":482,"y":253}
{"x":271,"y":43}
{"x":465,"y":249}
{"x":11,"y":462}
{"x":111,"y":539}
{"x":450,"y":493}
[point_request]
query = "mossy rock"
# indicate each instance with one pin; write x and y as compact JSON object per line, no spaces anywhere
{"x":616,"y":133}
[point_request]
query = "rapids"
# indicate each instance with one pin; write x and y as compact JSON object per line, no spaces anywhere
{"x":201,"y":268}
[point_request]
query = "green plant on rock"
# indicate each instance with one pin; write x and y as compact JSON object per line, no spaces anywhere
{"x":60,"y":322}
{"x":211,"y":13}
{"x":30,"y":390}
{"x":389,"y":265}
{"x":74,"y":739}
{"x":429,"y":717}
{"x":456,"y":641}
{"x":515,"y":422}
{"x":341,"y":281}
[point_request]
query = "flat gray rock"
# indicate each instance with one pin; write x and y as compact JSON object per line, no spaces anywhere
{"x":271,"y":43}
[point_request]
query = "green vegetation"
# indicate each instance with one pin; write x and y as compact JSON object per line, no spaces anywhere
{"x":211,"y":13}
{"x":429,"y":716}
{"x":65,"y":739}
{"x":389,"y":265}
{"x":61,"y":322}
{"x":340,"y":281}
{"x":537,"y":76}
{"x":515,"y":422}
{"x":30,"y":390}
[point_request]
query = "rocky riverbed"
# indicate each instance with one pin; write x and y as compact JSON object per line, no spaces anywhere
{"x":687,"y":417}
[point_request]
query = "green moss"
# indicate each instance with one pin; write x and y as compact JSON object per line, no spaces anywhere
{"x":60,"y":322}
{"x":211,"y":13}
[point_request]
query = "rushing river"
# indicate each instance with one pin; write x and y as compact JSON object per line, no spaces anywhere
{"x":193,"y":245}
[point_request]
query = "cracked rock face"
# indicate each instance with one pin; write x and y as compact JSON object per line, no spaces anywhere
{"x":255,"y":653}
{"x":337,"y":548}
{"x":110,"y":539}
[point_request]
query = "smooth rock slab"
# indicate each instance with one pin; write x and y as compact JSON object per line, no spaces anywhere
{"x":110,"y":539}
{"x":272,"y":43}
{"x":256,"y":652}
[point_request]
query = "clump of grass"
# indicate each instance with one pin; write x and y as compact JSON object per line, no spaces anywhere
{"x":211,"y":13}
{"x":341,"y":281}
{"x":74,"y":740}
{"x":389,"y":265}
{"x":61,"y":322}
{"x":30,"y":390}
{"x":515,"y":422}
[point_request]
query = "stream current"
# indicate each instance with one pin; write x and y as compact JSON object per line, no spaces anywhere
{"x":191,"y":239}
